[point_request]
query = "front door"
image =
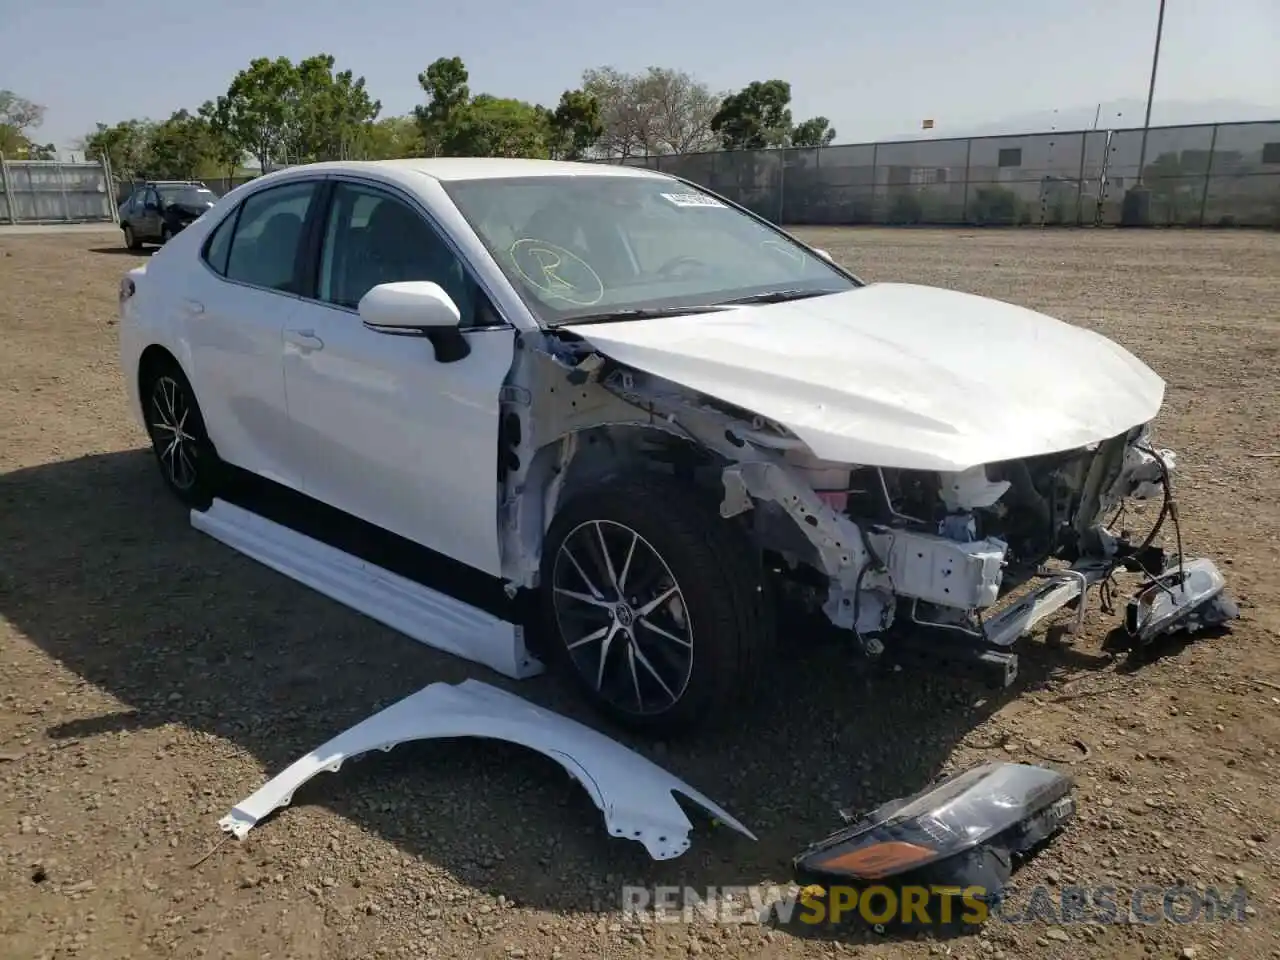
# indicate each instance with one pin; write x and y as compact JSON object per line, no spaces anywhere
{"x":389,"y":433}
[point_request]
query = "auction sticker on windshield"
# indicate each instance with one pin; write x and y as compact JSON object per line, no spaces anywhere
{"x":692,"y":200}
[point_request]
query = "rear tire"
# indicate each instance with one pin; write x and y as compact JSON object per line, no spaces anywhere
{"x":130,"y":238}
{"x":683,"y":638}
{"x":188,"y":463}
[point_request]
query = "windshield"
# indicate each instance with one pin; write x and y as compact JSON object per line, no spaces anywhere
{"x":187,"y":195}
{"x":598,"y":246}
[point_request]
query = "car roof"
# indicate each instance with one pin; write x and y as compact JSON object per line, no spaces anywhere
{"x":478,"y":168}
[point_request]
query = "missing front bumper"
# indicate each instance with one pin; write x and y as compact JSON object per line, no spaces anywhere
{"x":1189,"y":597}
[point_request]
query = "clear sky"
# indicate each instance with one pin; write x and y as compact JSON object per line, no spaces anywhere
{"x":875,"y":69}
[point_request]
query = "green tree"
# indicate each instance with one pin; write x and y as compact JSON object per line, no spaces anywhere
{"x":329,"y":114}
{"x":445,"y":84}
{"x":19,"y":116}
{"x":126,"y":145}
{"x":815,"y":132}
{"x":225,"y":151}
{"x":392,"y":138}
{"x":491,"y":126}
{"x":757,"y":116}
{"x":280,"y":112}
{"x":181,"y":148}
{"x":574,"y":126}
{"x":256,"y":109}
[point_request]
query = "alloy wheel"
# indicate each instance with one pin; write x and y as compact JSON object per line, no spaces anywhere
{"x":622,"y":617}
{"x":169,"y":424}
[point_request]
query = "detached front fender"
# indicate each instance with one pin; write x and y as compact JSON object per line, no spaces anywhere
{"x":635,"y":795}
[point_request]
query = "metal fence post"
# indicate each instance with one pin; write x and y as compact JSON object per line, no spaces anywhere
{"x":109,"y":176}
{"x":968,"y":155}
{"x":782,"y":186}
{"x":62,"y":187}
{"x":875,"y":176}
{"x":1084,"y":149}
{"x":1208,"y":173}
{"x":8,"y":190}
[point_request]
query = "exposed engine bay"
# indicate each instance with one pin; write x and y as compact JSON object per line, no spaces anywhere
{"x":869,"y":546}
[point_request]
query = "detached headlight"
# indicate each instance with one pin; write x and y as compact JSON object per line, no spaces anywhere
{"x":1009,"y":806}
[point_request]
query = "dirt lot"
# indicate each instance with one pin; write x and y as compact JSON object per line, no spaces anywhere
{"x":151,"y":677}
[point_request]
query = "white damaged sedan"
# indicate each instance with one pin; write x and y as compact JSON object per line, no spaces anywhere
{"x":657,"y":411}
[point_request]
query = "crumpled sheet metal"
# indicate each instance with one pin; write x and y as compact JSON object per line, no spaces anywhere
{"x":634,"y":795}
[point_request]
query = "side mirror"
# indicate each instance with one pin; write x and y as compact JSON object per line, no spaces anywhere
{"x":416,"y":308}
{"x":823,"y":254}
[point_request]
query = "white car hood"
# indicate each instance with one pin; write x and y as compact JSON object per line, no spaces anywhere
{"x":899,"y":375}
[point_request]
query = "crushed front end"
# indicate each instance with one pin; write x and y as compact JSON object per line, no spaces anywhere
{"x":938,"y":563}
{"x":979,"y":558}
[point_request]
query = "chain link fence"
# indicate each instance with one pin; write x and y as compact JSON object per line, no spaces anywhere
{"x":49,"y":191}
{"x":1212,"y":175}
{"x":1215,"y":175}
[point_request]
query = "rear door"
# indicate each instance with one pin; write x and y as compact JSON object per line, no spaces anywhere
{"x":237,"y":308}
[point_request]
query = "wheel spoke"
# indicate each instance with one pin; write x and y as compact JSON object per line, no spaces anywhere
{"x":608,"y":561}
{"x":604,"y":653}
{"x":626,"y":565}
{"x":169,"y":450}
{"x":187,"y":468}
{"x":635,"y":679}
{"x":595,"y":591}
{"x":584,"y":598}
{"x":657,"y":601}
{"x":664,"y":633}
{"x":169,"y":389}
{"x":644,"y":662}
{"x":591,"y":637}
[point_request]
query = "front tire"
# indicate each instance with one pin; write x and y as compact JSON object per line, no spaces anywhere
{"x":131,"y":239}
{"x":654,"y":604}
{"x":188,"y":462}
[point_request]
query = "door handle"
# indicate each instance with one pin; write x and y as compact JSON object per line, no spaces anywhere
{"x":306,"y":340}
{"x":193,"y":306}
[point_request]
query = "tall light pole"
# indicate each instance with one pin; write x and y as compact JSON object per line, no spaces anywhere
{"x":1151,"y":90}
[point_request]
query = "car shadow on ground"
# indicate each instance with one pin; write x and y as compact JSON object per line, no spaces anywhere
{"x":121,"y":250}
{"x":102,"y":571}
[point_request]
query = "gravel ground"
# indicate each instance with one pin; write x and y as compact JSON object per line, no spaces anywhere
{"x":151,"y":678}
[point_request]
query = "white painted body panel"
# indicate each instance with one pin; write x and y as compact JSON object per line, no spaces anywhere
{"x":388,"y":434}
{"x":635,"y":795}
{"x":417,"y":611}
{"x":236,"y":346}
{"x":897,"y":375}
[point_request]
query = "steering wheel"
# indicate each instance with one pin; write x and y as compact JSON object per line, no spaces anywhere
{"x":675,"y":264}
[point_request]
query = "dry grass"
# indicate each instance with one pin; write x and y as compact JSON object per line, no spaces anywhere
{"x":151,"y":677}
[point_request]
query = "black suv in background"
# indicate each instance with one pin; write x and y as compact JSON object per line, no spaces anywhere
{"x":157,"y":209}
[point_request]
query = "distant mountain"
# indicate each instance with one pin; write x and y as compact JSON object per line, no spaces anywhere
{"x":1116,"y":114}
